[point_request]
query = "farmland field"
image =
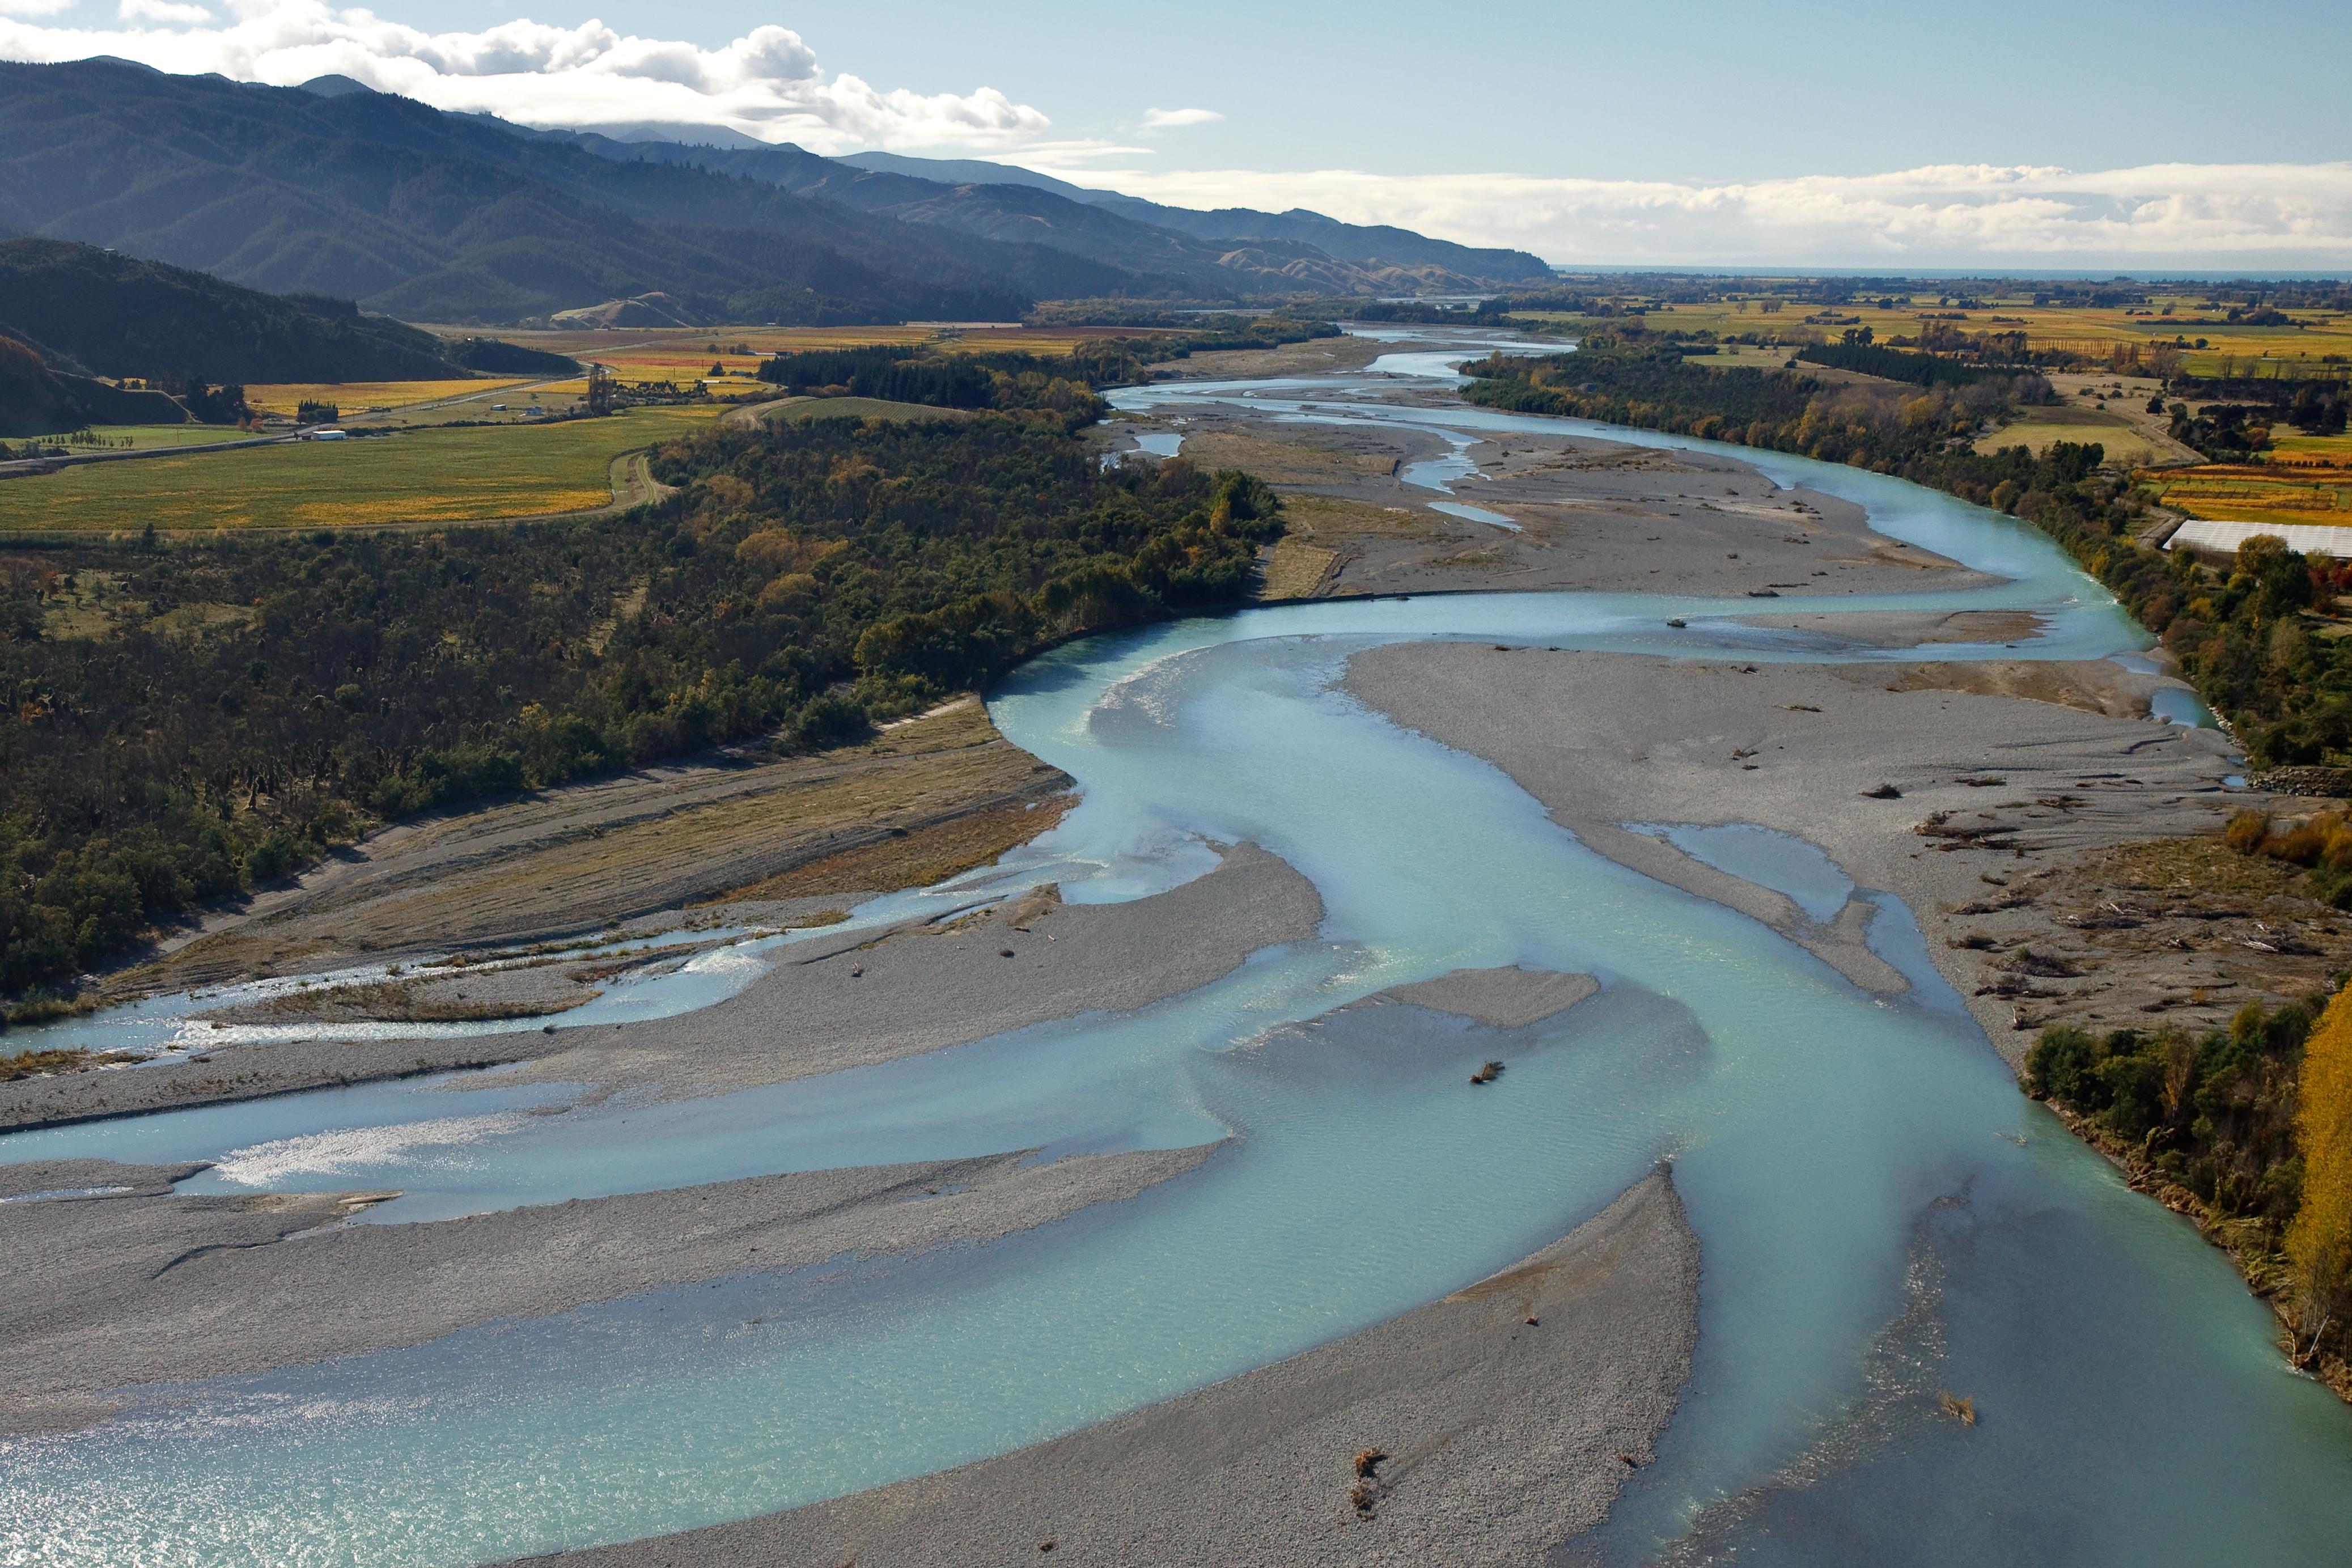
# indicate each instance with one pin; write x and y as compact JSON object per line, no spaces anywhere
{"x":2307,"y":478}
{"x":2128,"y":443}
{"x":799,"y":410}
{"x":357,"y":396}
{"x":146,"y":438}
{"x":422,"y":475}
{"x":2325,"y":341}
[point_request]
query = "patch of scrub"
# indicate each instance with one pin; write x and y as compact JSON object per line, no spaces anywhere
{"x":1766,"y":856}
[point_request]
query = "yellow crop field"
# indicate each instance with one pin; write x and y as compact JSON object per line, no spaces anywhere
{"x":2259,"y":492}
{"x":358,"y":396}
{"x":2209,"y":345}
{"x":2293,"y":449}
{"x":432,"y":475}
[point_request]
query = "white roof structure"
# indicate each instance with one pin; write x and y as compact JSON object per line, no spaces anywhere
{"x":2307,"y":538}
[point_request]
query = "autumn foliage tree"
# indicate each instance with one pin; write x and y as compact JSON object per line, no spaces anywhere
{"x":2319,"y":1241}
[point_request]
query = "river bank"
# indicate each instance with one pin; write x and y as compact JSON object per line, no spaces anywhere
{"x":645,"y":853}
{"x":134,"y":1284}
{"x":1483,"y":1428}
{"x":138,"y":1284}
{"x":2008,"y":829}
{"x":835,"y":1000}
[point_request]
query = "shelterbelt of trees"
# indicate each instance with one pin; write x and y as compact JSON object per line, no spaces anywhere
{"x":926,"y":374}
{"x":183,"y":720}
{"x":2239,"y":631}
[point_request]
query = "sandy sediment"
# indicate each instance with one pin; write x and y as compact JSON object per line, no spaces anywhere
{"x":847,"y":1002}
{"x":522,"y":991}
{"x":1500,"y":1437}
{"x":1314,"y":357}
{"x":835,"y":1000}
{"x":1590,"y":514}
{"x":1502,"y":998}
{"x":142,"y":1284}
{"x":641,"y":848}
{"x":1909,"y":628}
{"x":2020,"y":822}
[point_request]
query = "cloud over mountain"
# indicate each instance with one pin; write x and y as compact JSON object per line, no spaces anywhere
{"x":767,"y":83}
{"x":2185,"y":215}
{"x":1170,"y":119}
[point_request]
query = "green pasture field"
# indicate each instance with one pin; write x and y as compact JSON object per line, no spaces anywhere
{"x":2126,"y":444}
{"x":433,"y":475}
{"x":800,"y":410}
{"x":140,"y":437}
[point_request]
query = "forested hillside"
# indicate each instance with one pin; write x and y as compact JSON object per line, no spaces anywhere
{"x":1368,"y":245}
{"x":1231,"y":253}
{"x":103,"y":313}
{"x":35,"y":400}
{"x":195,"y":718}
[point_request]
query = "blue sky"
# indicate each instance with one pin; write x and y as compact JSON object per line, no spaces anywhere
{"x":1699,"y":92}
{"x":1998,"y":133}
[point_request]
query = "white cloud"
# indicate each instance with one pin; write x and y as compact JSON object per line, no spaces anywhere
{"x":2190,"y":214}
{"x":767,"y":83}
{"x":165,"y":11}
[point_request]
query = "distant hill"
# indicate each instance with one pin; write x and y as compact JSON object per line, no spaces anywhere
{"x":966,"y":171}
{"x":1236,"y":252}
{"x":1362,"y":244}
{"x":1156,"y":261}
{"x":114,"y":315}
{"x":70,"y":313}
{"x":35,"y":400}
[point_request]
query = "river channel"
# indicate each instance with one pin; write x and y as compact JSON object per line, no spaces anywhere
{"x":1876,"y":1201}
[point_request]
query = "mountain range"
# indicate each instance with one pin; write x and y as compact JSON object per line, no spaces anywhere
{"x":337,"y":189}
{"x":1371,"y":246}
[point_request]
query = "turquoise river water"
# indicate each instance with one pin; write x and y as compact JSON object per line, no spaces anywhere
{"x":1881,"y":1213}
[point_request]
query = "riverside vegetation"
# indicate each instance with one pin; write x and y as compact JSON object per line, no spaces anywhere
{"x":189,"y":719}
{"x":2240,"y":630}
{"x":2248,"y":1128}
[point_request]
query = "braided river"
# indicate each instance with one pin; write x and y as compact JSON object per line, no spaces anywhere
{"x":1876,"y":1201}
